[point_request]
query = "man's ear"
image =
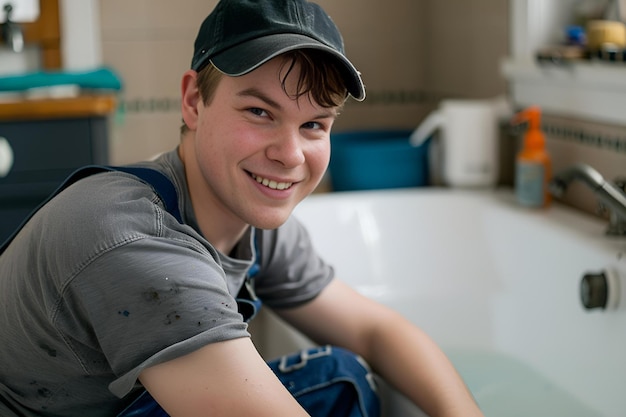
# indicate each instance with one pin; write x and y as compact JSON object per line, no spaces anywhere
{"x":190,"y":98}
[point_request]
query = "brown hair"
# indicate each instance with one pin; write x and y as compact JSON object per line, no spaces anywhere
{"x":320,"y":79}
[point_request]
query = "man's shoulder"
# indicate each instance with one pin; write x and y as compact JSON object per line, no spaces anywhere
{"x":108,"y":195}
{"x":103,"y":209}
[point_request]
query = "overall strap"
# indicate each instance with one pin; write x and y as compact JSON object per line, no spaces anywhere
{"x":247,"y":300}
{"x":161,"y":184}
{"x":248,"y":304}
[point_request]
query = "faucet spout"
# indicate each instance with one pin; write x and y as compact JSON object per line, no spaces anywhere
{"x":610,"y":195}
{"x":11,"y":31}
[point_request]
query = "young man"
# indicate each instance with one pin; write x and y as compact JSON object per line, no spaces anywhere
{"x":108,"y":297}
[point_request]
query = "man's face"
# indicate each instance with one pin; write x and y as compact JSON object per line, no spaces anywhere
{"x":259,"y":152}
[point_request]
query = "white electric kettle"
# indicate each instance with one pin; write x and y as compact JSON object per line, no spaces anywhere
{"x":468,"y":140}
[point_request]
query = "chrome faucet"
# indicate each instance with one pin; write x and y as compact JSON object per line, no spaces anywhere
{"x":11,"y":31}
{"x":609,"y":194}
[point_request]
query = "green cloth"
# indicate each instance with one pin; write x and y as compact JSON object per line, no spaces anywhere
{"x":102,"y":78}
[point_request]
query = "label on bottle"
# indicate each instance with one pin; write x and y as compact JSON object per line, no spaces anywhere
{"x":529,"y":184}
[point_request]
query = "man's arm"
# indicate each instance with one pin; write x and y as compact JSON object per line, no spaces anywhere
{"x":222,"y":379}
{"x":396,"y":349}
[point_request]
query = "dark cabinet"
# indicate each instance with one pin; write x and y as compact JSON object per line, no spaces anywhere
{"x":45,"y":151}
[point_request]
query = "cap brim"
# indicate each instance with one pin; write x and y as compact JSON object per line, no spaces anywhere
{"x":243,"y":58}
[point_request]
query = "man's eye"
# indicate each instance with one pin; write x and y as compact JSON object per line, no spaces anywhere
{"x":258,"y":112}
{"x":312,"y":125}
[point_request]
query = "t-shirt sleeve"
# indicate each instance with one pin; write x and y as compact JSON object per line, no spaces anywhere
{"x":291,"y":271}
{"x":151,"y":300}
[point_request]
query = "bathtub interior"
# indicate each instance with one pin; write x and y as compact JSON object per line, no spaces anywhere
{"x":494,"y":284}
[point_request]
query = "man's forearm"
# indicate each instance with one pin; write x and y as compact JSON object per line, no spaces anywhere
{"x":411,"y":362}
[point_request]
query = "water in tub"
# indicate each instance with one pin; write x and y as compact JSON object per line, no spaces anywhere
{"x":494,"y":284}
{"x":503,"y":387}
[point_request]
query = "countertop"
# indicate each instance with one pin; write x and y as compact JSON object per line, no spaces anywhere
{"x":56,"y":108}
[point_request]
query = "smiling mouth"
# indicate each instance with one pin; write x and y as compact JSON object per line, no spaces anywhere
{"x":274,"y":185}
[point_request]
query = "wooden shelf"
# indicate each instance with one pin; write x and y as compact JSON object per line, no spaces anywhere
{"x":55,"y":108}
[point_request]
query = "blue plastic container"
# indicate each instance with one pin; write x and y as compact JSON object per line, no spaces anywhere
{"x":371,"y":160}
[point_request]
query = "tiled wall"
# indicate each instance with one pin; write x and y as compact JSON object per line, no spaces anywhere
{"x":410,"y":52}
{"x":149,"y":42}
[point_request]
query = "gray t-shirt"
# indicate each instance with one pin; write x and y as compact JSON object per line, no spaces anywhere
{"x":103,"y":283}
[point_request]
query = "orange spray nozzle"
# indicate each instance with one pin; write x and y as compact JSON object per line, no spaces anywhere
{"x":532,"y":115}
{"x":534,"y":137}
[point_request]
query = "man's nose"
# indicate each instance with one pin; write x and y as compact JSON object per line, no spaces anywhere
{"x":287,"y":149}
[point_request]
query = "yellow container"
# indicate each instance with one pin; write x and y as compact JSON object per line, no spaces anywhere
{"x":602,"y":33}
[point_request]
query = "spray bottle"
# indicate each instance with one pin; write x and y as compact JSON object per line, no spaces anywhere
{"x":533,"y":168}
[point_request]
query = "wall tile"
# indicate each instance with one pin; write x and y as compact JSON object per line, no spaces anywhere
{"x":466,"y":41}
{"x":140,"y":136}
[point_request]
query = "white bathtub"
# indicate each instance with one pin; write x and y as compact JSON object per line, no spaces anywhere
{"x":496,"y":285}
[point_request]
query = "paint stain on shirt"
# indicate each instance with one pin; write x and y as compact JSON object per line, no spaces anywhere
{"x":151,"y":295}
{"x":48,"y":350}
{"x":172,"y":317}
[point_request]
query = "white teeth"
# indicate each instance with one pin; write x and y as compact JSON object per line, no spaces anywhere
{"x":271,"y":183}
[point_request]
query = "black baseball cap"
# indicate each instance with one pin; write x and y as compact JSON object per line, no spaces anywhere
{"x":240,"y":35}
